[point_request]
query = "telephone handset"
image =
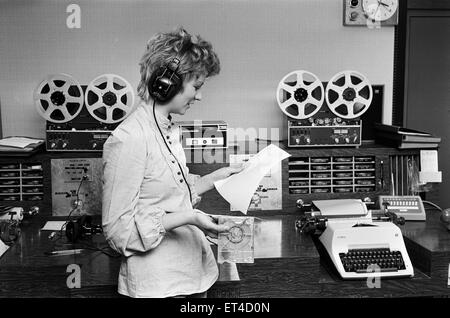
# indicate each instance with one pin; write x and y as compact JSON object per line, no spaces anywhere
{"x":409,"y":207}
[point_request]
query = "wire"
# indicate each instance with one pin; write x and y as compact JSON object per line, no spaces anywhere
{"x":164,"y":139}
{"x":103,"y":250}
{"x":269,"y":140}
{"x":433,"y":204}
{"x":60,"y":232}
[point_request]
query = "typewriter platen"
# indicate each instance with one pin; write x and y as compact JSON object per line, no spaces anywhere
{"x":358,"y":246}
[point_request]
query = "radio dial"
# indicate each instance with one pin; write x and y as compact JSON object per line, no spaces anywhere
{"x":64,"y":145}
{"x":347,"y":140}
{"x":52,"y":145}
{"x":94,"y":145}
{"x":308,"y":140}
{"x":336,"y":140}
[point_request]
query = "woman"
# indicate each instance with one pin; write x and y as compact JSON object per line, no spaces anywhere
{"x":148,"y":193}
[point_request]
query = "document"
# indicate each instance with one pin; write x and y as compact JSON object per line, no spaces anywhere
{"x":53,"y":226}
{"x":268,"y":193}
{"x":3,"y":248}
{"x":238,"y":189}
{"x":429,"y":167}
{"x":19,"y":142}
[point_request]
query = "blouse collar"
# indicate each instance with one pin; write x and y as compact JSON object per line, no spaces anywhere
{"x":164,"y":122}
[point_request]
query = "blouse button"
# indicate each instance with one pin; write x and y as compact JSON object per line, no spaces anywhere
{"x":178,"y":172}
{"x":173,"y":161}
{"x":170,"y":142}
{"x":181,"y":180}
{"x":168,"y":137}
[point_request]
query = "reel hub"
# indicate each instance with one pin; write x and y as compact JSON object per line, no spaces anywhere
{"x":58,"y":98}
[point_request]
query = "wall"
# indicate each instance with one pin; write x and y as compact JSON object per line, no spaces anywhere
{"x":258,"y":41}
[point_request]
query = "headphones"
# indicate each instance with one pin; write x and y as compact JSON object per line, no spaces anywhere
{"x":9,"y":231}
{"x":165,"y":82}
{"x":81,"y":227}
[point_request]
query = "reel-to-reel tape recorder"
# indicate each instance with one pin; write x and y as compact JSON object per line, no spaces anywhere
{"x":324,"y":117}
{"x":81,"y":118}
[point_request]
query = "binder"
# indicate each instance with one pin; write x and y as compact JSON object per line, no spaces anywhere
{"x":400,"y":130}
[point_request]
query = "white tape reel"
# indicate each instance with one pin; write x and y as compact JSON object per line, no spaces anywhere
{"x":300,"y":94}
{"x":58,"y":98}
{"x":348,"y":94}
{"x":109,"y":98}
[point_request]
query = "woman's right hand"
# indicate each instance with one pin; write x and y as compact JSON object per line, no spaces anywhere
{"x":208,"y":223}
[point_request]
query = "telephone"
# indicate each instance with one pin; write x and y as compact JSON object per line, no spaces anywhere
{"x":410,"y":207}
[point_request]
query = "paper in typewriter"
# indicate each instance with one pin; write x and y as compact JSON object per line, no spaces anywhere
{"x":341,"y":207}
{"x":236,"y":245}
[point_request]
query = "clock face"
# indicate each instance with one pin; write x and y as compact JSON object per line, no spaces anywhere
{"x":380,"y":10}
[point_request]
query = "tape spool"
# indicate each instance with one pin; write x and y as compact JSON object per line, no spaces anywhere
{"x":109,"y":98}
{"x":239,"y":236}
{"x":348,"y":94}
{"x":300,"y":94}
{"x":58,"y":98}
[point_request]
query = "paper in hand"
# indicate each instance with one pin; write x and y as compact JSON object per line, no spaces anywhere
{"x":239,"y":188}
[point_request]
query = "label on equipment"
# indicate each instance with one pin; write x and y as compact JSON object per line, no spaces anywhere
{"x":204,"y":141}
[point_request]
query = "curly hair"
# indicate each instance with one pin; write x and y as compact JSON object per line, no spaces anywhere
{"x":196,"y":55}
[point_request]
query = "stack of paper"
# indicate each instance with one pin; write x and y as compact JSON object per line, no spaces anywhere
{"x":19,"y":142}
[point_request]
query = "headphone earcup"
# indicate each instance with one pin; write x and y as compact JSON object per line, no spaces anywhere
{"x":164,"y":84}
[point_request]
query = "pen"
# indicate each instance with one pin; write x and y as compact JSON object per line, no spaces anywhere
{"x":65,"y":252}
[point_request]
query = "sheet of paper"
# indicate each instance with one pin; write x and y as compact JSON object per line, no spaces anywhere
{"x":18,"y":142}
{"x":341,"y":207}
{"x":239,"y":188}
{"x":53,"y":226}
{"x":3,"y":248}
{"x":268,"y":193}
{"x":429,"y":167}
{"x":428,"y":160}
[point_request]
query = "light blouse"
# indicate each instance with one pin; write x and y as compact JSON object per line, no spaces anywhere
{"x":142,"y":182}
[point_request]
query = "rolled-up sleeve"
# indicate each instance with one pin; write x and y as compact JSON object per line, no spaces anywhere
{"x":127,"y":229}
{"x":192,"y":179}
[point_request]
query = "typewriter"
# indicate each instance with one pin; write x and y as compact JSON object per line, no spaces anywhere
{"x":358,"y":246}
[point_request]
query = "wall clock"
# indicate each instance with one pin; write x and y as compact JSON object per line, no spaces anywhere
{"x":370,"y":12}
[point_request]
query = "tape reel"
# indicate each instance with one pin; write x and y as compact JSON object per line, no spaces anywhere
{"x":109,"y":98}
{"x":348,"y":94}
{"x":300,"y":94}
{"x":58,"y":98}
{"x":239,"y":235}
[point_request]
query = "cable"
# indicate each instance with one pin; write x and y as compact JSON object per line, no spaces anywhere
{"x":103,"y":250}
{"x":432,"y":204}
{"x":164,"y":139}
{"x":60,"y":232}
{"x":269,"y":140}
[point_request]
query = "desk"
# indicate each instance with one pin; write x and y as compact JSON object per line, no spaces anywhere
{"x":287,"y":264}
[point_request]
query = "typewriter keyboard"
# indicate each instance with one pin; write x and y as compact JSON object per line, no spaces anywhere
{"x":357,"y":260}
